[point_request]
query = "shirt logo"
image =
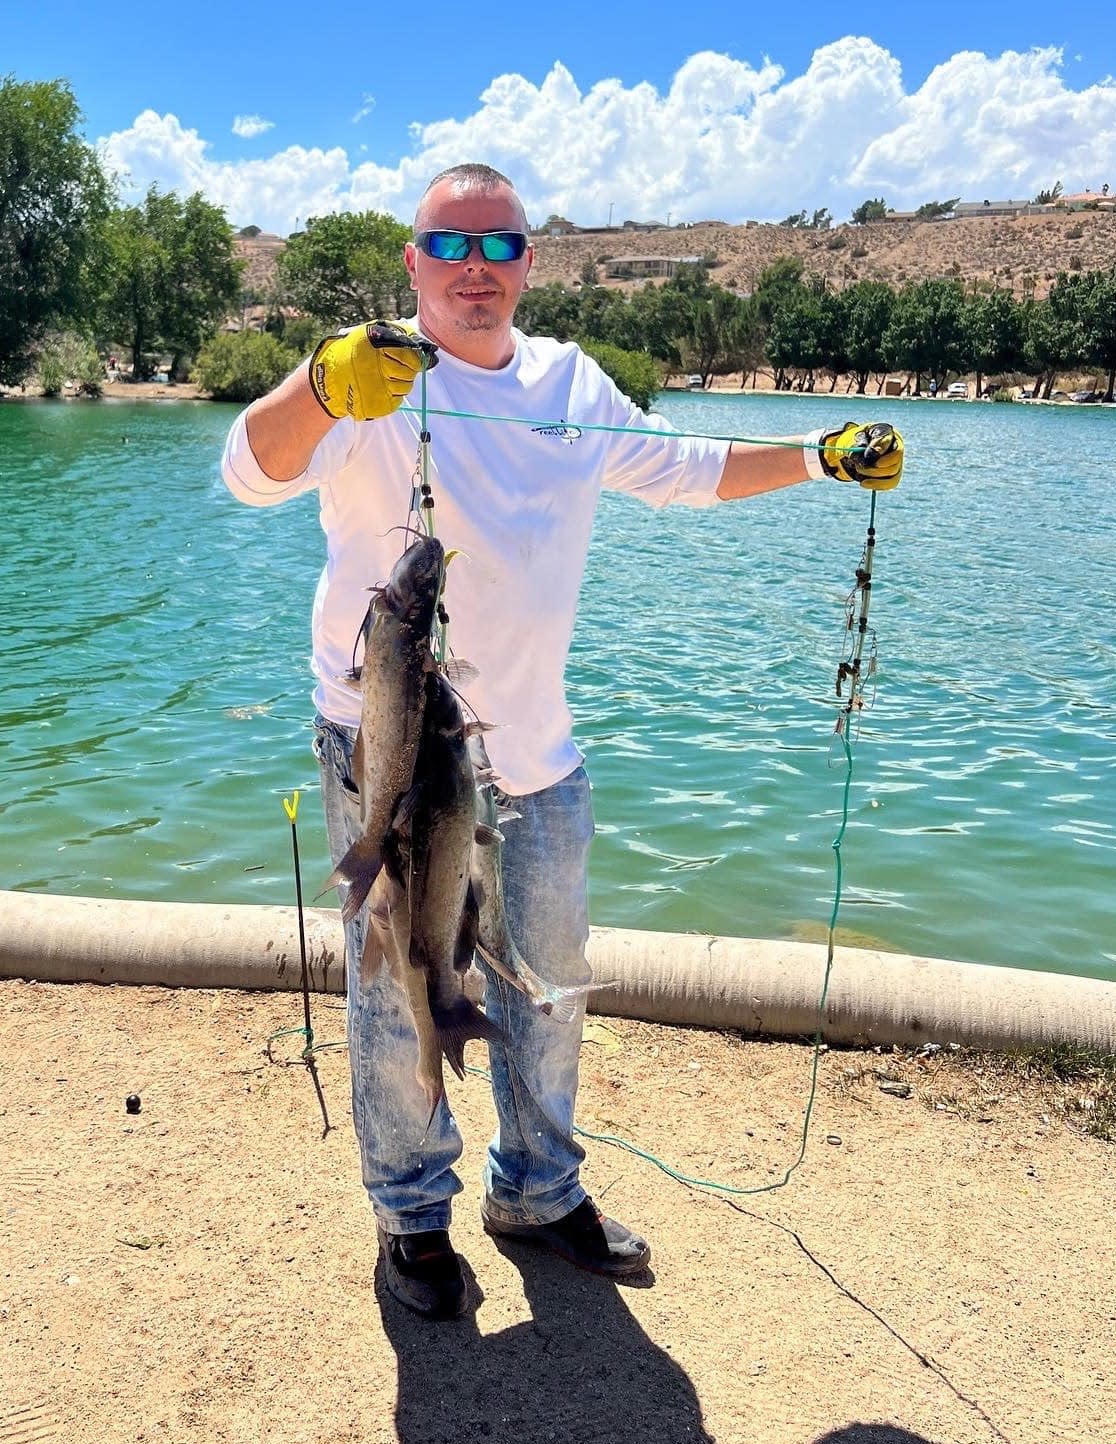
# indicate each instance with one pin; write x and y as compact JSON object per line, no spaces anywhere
{"x":560,"y":430}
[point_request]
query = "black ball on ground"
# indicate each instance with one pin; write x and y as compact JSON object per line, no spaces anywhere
{"x":132,"y":1103}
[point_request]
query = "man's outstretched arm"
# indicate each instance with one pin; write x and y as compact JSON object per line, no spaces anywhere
{"x":870,"y":454}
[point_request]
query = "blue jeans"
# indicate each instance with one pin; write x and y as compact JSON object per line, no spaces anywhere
{"x":531,"y":1171}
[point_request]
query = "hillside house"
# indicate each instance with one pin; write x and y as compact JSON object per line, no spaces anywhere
{"x":968,"y":210}
{"x":641,"y":268}
{"x":1087,"y":200}
{"x":557,"y":226}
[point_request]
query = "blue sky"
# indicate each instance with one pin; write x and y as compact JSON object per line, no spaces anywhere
{"x":359,"y":103}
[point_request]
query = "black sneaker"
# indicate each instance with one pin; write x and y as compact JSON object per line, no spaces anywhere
{"x":422,"y":1271}
{"x":585,"y":1237}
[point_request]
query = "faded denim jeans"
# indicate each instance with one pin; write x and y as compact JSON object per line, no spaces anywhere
{"x":531,"y":1171}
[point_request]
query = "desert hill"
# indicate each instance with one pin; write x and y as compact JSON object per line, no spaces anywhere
{"x":1024,"y":253}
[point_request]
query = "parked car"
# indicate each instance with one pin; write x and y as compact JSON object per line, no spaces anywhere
{"x":695,"y":382}
{"x":958,"y":390}
{"x":1086,"y":395}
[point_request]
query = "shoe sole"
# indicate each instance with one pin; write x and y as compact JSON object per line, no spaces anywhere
{"x":526,"y":1233}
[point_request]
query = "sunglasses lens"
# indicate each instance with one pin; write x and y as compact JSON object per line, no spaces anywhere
{"x":503,"y":246}
{"x":446,"y":245}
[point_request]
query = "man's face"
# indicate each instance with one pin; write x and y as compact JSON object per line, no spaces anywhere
{"x":470,"y":301}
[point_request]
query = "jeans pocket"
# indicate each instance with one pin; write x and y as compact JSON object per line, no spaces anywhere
{"x":333,"y":747}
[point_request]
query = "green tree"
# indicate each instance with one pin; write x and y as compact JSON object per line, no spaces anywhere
{"x":865,"y":314}
{"x":870,"y":210}
{"x":803,"y":333}
{"x":1099,"y":323}
{"x":1047,"y":198}
{"x":594,"y":307}
{"x":779,"y":286}
{"x":635,"y":373}
{"x":927,"y":330}
{"x":205,"y":278}
{"x":53,"y":202}
{"x":347,"y":268}
{"x":549,"y":310}
{"x":1044,"y":344}
{"x":1067,"y":305}
{"x":67,"y":356}
{"x":175,"y":277}
{"x":933,"y":209}
{"x":243,"y":365}
{"x":994,"y":334}
{"x":703,"y":342}
{"x":821,"y":220}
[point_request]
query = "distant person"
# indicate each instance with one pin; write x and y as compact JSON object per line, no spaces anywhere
{"x":518,"y":501}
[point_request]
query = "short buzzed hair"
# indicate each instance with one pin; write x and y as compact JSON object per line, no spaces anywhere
{"x":471,"y":176}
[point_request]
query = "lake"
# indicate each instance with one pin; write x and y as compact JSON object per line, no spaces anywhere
{"x":154,"y":705}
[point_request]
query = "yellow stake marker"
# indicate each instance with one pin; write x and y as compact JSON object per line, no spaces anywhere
{"x":291,"y":808}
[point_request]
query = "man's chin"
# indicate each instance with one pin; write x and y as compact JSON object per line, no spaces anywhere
{"x":478,"y":318}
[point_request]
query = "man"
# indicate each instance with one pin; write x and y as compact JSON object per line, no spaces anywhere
{"x":518,"y":501}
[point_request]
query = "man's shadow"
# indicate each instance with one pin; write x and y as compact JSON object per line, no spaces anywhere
{"x":581,"y":1369}
{"x":871,"y":1434}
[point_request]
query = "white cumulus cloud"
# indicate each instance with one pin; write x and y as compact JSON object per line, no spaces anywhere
{"x":249,"y":126}
{"x":726,"y":139}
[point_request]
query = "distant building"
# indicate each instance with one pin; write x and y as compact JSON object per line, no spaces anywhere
{"x":557,"y":226}
{"x":968,"y":210}
{"x":635,"y":268}
{"x":1087,"y":200}
{"x":643,"y":226}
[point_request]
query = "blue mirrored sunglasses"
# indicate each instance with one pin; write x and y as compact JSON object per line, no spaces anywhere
{"x":456,"y":245}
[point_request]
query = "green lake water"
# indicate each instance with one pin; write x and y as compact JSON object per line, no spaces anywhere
{"x":154,"y":682}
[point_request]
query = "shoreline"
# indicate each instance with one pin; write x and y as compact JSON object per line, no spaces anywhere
{"x":124,"y":391}
{"x":116,"y":391}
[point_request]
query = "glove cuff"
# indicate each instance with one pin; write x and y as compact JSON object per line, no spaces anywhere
{"x":814,"y":456}
{"x":321,"y":377}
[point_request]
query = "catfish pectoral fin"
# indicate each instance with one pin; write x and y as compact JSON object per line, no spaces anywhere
{"x":455,"y":1025}
{"x":459,"y":672}
{"x":562,"y":1003}
{"x":547,"y":998}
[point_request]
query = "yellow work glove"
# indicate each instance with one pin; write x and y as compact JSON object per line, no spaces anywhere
{"x":366,"y":372}
{"x":871,"y":455}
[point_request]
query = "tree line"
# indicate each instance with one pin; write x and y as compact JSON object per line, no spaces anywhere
{"x":808,"y":333}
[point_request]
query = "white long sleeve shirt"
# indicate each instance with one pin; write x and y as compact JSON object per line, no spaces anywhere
{"x":516,"y":499}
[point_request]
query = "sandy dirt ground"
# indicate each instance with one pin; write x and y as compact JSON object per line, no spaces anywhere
{"x":939,"y":1269}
